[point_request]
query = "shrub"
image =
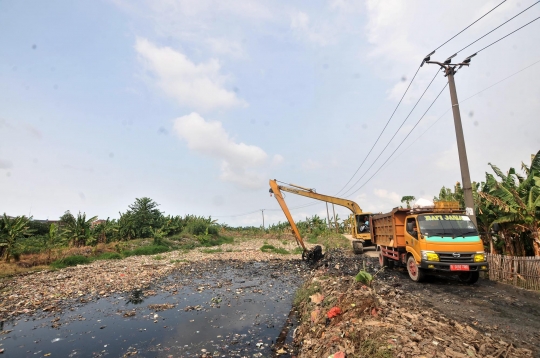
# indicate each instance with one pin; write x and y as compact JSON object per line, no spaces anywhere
{"x":271,"y":248}
{"x":209,"y":240}
{"x":71,"y":261}
{"x":109,"y":256}
{"x":146,"y":250}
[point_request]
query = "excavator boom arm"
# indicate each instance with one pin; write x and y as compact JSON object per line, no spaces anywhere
{"x":279,"y":197}
{"x":349,"y":204}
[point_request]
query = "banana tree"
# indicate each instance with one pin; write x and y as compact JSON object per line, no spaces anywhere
{"x":518,"y":199}
{"x":78,"y":232}
{"x":11,"y":230}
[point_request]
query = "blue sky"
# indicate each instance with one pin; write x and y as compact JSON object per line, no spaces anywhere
{"x":197,"y":104}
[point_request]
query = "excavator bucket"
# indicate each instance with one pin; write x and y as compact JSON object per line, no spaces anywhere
{"x":313,"y":255}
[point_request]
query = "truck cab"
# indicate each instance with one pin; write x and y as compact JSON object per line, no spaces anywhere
{"x":444,"y":242}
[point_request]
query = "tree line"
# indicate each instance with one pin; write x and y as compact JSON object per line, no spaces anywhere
{"x":143,"y":220}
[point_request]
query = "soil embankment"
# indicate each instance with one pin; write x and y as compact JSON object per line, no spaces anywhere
{"x":399,"y":318}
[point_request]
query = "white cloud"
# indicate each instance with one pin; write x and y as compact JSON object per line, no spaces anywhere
{"x":277,"y":159}
{"x":311,"y":164}
{"x":198,"y":86}
{"x":301,"y":24}
{"x":349,"y":6}
{"x":239,"y":161}
{"x":223,"y":46}
{"x":389,"y":196}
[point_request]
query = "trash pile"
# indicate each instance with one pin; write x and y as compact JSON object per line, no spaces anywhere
{"x":52,"y":291}
{"x":341,"y":317}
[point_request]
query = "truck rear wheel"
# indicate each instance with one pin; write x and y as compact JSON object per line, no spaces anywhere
{"x":358,"y":247}
{"x":415,"y":273}
{"x":469,"y":277}
{"x":383,"y":260}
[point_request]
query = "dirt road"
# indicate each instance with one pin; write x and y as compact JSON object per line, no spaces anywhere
{"x":495,"y":309}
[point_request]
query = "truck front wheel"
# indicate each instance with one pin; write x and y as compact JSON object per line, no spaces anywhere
{"x":469,"y":277}
{"x":358,"y":248}
{"x":415,"y":273}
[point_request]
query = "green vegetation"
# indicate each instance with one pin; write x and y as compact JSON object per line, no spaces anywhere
{"x":71,"y":261}
{"x":146,"y":250}
{"x":304,"y":292}
{"x":109,"y":256}
{"x":507,"y":208}
{"x":276,"y":250}
{"x":211,"y":251}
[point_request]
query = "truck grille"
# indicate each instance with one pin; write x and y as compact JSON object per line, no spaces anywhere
{"x":452,"y":257}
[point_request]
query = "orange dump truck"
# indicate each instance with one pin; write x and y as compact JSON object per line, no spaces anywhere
{"x":428,"y":240}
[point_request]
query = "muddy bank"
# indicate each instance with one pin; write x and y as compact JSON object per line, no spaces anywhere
{"x":399,"y":318}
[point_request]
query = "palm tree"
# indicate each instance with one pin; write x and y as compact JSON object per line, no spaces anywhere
{"x":147,"y":216}
{"x":12,"y":229}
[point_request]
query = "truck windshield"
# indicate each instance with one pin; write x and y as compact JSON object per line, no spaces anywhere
{"x":446,"y":225}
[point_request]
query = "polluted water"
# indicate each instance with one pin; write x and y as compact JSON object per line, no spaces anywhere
{"x":204,"y":309}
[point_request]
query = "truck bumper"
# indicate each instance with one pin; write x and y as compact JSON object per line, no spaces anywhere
{"x":444,"y":266}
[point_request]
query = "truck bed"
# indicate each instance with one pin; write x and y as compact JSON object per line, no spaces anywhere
{"x":387,"y":229}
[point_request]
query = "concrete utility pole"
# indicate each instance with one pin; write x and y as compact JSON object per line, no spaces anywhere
{"x":450,"y":70}
{"x":262,"y":212}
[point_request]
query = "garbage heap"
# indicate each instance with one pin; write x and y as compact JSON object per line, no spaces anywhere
{"x":340,"y":317}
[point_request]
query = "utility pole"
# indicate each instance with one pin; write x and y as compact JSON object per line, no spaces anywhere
{"x":262,"y":212}
{"x":335,"y":221}
{"x":328,"y":217}
{"x":449,"y":71}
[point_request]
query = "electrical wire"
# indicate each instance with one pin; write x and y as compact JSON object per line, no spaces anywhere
{"x":448,"y":110}
{"x":510,"y":19}
{"x":493,"y":43}
{"x":395,"y":133}
{"x":379,"y":137}
{"x":395,"y":150}
{"x":447,"y":41}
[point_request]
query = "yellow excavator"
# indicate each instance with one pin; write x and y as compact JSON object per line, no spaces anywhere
{"x":359,"y":235}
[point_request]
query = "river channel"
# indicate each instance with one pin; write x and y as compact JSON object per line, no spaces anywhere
{"x":210,"y":308}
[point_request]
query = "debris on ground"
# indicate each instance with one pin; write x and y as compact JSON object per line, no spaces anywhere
{"x":343,"y":317}
{"x":50,"y":290}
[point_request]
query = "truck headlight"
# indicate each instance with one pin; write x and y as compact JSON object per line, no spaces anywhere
{"x":429,"y":256}
{"x":480,"y":257}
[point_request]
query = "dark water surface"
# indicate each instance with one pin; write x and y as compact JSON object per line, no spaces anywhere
{"x":221,"y":309}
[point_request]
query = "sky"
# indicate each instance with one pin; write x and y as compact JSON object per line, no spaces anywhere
{"x":198,"y":103}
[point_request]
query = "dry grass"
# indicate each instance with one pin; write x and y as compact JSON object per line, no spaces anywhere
{"x":8,"y":270}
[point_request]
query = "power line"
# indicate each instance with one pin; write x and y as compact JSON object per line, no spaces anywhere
{"x":510,"y":19}
{"x":379,"y":137}
{"x":468,"y":26}
{"x":448,"y":110}
{"x":374,"y":144}
{"x":493,"y":43}
{"x":395,"y":133}
{"x":395,"y":150}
